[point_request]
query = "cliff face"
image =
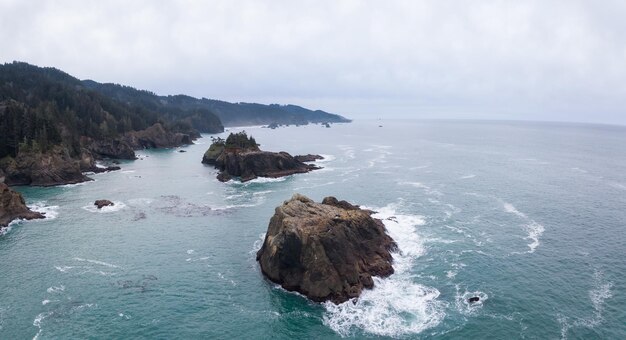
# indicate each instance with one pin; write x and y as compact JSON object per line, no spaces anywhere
{"x":326,"y":251}
{"x":42,"y":169}
{"x":12,"y":207}
{"x":156,"y":136}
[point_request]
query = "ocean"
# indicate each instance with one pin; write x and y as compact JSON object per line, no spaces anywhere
{"x":530,"y":217}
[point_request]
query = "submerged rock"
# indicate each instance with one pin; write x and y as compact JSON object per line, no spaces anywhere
{"x":240,"y":156}
{"x":474,"y":299}
{"x":12,"y":207}
{"x":326,"y":251}
{"x":103,"y":203}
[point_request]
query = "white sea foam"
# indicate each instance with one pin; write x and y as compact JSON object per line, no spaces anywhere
{"x":190,"y":251}
{"x":267,"y":180}
{"x":49,"y":211}
{"x":75,"y":184}
{"x":139,"y":202}
{"x":117,"y":206}
{"x":462,"y":303}
{"x":327,"y":158}
{"x":45,"y":302}
{"x":55,"y":289}
{"x":96,"y":262}
{"x":598,"y":294}
{"x":534,"y":229}
{"x":397,"y":305}
{"x":127,"y":171}
{"x":467,"y":176}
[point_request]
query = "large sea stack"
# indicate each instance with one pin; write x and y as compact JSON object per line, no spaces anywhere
{"x":326,"y":251}
{"x":12,"y":206}
{"x":240,"y":156}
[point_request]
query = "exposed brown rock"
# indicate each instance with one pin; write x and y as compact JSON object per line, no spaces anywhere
{"x":326,"y":251}
{"x":12,"y":206}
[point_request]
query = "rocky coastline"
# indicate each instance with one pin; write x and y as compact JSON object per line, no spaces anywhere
{"x":57,"y":167}
{"x":327,"y":251}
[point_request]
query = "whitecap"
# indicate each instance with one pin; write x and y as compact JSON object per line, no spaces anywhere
{"x":127,"y":171}
{"x":598,"y":294}
{"x":534,"y":229}
{"x":55,"y":289}
{"x":327,"y":158}
{"x":397,"y":305}
{"x":190,"y":251}
{"x":117,"y":206}
{"x":508,"y":207}
{"x":467,"y":176}
{"x":49,"y":211}
{"x":96,"y":262}
{"x":266,"y":180}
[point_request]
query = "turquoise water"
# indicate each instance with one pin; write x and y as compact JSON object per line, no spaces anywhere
{"x":528,"y":216}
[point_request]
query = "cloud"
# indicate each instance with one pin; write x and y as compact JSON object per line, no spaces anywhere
{"x":556,"y":60}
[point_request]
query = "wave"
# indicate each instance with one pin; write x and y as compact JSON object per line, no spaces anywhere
{"x":534,"y":229}
{"x":467,"y":176}
{"x":56,"y":289}
{"x":117,"y":206}
{"x":96,"y":262}
{"x":598,"y":295}
{"x":396,"y":305}
{"x":327,"y":158}
{"x":49,"y":211}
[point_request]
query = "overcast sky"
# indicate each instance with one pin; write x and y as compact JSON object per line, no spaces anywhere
{"x":531,"y":60}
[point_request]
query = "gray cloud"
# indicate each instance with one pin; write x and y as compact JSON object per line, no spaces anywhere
{"x":539,"y":60}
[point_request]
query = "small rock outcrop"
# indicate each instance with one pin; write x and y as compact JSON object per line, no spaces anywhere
{"x":308,"y":158}
{"x":327,"y":251}
{"x":240,"y":156}
{"x":103,"y":203}
{"x":12,"y":207}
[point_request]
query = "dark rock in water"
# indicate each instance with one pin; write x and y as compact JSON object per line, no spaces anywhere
{"x":474,"y":299}
{"x":12,"y":207}
{"x":103,"y":203}
{"x":308,"y":158}
{"x":273,"y":126}
{"x":240,"y":156}
{"x":53,"y":167}
{"x":182,"y":150}
{"x":326,"y":251}
{"x":326,"y":125}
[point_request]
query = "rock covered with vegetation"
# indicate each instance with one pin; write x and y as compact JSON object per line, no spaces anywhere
{"x":326,"y":251}
{"x":12,"y":207}
{"x":239,"y":156}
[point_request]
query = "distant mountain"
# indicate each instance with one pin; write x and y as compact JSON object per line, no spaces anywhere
{"x":231,"y":114}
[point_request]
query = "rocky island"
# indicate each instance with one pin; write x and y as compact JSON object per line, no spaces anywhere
{"x":12,"y":207}
{"x":327,"y":251}
{"x":240,"y":156}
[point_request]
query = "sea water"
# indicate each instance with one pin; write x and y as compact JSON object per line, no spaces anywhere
{"x":530,"y":217}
